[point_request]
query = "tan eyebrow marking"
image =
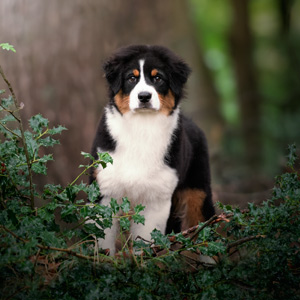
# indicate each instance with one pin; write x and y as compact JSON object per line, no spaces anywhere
{"x":154,"y":72}
{"x":136,"y":72}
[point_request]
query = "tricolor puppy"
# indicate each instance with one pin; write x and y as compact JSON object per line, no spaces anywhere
{"x":160,"y":158}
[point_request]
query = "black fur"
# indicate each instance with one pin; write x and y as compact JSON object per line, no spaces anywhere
{"x":175,"y":69}
{"x":188,"y":152}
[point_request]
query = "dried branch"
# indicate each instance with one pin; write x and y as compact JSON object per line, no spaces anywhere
{"x":207,"y":223}
{"x":244,"y":240}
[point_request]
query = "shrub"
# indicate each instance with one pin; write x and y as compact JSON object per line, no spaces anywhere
{"x":246,"y":254}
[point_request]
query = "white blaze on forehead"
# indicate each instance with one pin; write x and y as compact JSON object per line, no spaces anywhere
{"x":142,"y":86}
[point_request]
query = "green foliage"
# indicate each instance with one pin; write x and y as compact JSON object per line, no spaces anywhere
{"x":8,"y":47}
{"x":238,"y":255}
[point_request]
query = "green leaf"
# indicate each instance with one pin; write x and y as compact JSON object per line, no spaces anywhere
{"x":68,"y":213}
{"x":87,"y":155}
{"x":160,"y":239}
{"x":50,"y":239}
{"x":38,"y":123}
{"x":139,"y":208}
{"x":48,"y":142}
{"x":57,"y":130}
{"x":114,"y":206}
{"x":71,"y":193}
{"x":292,"y":156}
{"x":8,"y":47}
{"x":125,"y":223}
{"x":138,"y":219}
{"x":125,"y":205}
{"x":7,"y":102}
{"x":46,"y":158}
{"x":93,"y":191}
{"x":39,"y":168}
{"x":105,"y":157}
{"x":32,"y":144}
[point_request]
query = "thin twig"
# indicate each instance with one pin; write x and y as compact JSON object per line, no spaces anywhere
{"x":208,"y":222}
{"x":244,"y":240}
{"x":7,"y":129}
{"x":139,"y":237}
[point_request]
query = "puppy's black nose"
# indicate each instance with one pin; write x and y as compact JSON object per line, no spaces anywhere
{"x":144,"y":97}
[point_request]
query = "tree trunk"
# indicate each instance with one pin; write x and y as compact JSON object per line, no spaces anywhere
{"x":248,"y":94}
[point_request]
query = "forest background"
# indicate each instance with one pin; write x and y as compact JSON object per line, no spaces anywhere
{"x":244,"y":91}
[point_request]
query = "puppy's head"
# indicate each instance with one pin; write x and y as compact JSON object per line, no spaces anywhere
{"x":145,"y":79}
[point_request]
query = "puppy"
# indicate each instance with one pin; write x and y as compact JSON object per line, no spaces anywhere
{"x":160,"y":158}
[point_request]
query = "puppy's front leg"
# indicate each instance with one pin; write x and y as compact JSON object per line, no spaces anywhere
{"x":156,"y":216}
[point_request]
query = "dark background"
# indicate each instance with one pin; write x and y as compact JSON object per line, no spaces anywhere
{"x":244,"y":91}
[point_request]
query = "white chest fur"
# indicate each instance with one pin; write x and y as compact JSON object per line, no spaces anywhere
{"x":138,"y":169}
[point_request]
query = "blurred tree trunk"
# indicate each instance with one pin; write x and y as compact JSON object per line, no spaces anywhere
{"x":207,"y":111}
{"x":248,"y":94}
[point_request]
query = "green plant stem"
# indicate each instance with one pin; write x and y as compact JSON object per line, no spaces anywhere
{"x":6,"y":128}
{"x":42,"y":134}
{"x":84,"y":171}
{"x":18,"y":118}
{"x":9,"y":111}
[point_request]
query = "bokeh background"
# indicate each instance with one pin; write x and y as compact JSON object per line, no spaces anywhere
{"x":244,"y":91}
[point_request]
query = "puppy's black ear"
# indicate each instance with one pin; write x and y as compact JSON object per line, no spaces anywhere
{"x":179,"y":74}
{"x":112,"y":69}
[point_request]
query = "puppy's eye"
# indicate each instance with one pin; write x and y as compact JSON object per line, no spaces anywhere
{"x":132,"y":79}
{"x":157,"y":79}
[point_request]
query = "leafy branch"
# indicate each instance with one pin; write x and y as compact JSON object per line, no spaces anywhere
{"x":18,"y":118}
{"x":42,"y":247}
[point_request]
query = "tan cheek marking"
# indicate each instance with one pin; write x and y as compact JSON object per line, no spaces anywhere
{"x":167,"y":103}
{"x":154,"y":72}
{"x":122,"y":102}
{"x":136,"y":73}
{"x":189,"y":207}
